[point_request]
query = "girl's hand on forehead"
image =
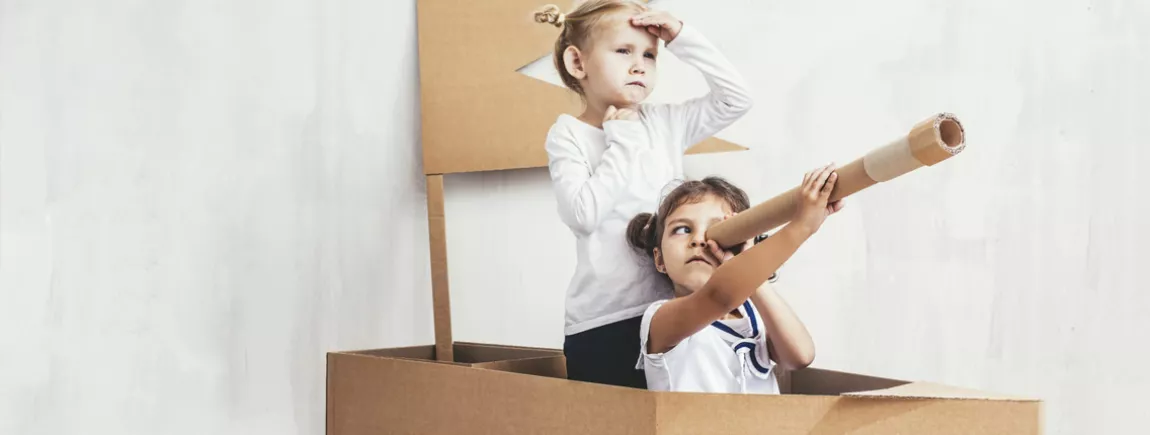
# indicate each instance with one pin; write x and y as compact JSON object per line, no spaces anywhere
{"x":722,"y":255}
{"x":659,"y":23}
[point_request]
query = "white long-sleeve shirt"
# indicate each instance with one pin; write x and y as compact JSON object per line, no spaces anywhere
{"x":604,"y":177}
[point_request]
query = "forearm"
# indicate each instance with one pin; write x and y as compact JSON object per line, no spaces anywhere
{"x":724,"y":80}
{"x":738,"y":279}
{"x":729,"y":97}
{"x":792,"y":345}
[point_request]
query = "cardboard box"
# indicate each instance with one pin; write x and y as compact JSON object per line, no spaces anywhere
{"x":509,"y":390}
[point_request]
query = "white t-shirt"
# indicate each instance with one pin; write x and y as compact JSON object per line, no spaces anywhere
{"x":729,"y":356}
{"x":602,"y":178}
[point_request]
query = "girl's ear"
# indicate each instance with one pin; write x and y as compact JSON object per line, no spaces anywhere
{"x":659,"y":265}
{"x":573,"y":61}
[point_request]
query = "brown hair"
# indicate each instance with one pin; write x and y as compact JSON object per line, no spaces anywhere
{"x":576,"y":28}
{"x":645,"y":232}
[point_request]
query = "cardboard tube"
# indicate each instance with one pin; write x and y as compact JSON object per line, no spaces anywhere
{"x":930,"y":141}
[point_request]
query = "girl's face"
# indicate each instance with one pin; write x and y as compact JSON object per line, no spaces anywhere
{"x":620,"y":68}
{"x":683,"y":253}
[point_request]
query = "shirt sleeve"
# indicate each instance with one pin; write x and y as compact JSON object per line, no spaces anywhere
{"x":653,"y":360}
{"x":586,"y":193}
{"x":729,"y":97}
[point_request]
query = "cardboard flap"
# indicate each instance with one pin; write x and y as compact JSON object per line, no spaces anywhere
{"x":412,"y":352}
{"x":549,"y":366}
{"x":714,"y":145}
{"x":927,"y":390}
{"x":814,"y":381}
{"x":482,"y":353}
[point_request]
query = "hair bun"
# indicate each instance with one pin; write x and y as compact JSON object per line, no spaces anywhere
{"x":550,"y":14}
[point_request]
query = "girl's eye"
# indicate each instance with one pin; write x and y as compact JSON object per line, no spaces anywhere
{"x":623,"y":51}
{"x":681,"y":230}
{"x":649,"y":55}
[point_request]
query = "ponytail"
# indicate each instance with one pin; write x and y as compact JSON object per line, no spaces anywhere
{"x":643,"y":233}
{"x":550,"y":14}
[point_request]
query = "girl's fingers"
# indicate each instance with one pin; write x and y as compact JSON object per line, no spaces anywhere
{"x":715,"y":251}
{"x":650,"y":19}
{"x":830,"y":185}
{"x":834,"y":207}
{"x":820,"y":182}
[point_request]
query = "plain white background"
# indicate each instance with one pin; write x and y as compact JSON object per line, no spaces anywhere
{"x":199,"y":199}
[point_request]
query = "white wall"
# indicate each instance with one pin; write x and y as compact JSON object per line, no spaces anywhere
{"x":197,"y":199}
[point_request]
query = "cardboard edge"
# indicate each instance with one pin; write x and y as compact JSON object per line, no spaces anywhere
{"x":818,"y":381}
{"x":550,"y":352}
{"x":714,"y":145}
{"x":931,"y":391}
{"x":356,"y":354}
{"x":368,"y":352}
{"x":907,"y":391}
{"x":482,"y":353}
{"x":550,"y":366}
{"x":328,"y":405}
{"x":508,"y":346}
{"x":554,"y":366}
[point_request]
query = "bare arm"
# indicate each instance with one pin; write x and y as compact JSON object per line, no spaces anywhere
{"x":729,"y":97}
{"x":739,"y":277}
{"x":733,"y":282}
{"x":790,"y":344}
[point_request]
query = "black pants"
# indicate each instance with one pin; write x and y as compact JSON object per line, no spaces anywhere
{"x":606,"y":355}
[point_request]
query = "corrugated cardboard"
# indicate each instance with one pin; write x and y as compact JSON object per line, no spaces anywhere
{"x":479,"y":113}
{"x":394,"y":391}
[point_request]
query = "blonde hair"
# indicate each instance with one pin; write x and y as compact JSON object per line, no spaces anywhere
{"x":576,"y":28}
